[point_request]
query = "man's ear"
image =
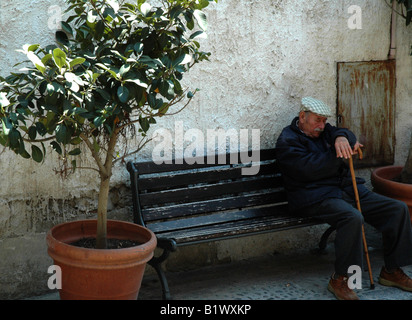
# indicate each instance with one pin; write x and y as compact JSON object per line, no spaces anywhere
{"x":302,"y":115}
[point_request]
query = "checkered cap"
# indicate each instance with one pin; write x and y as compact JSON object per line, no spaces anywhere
{"x":315,"y":106}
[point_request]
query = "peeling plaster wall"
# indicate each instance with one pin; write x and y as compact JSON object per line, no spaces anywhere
{"x":266,"y":55}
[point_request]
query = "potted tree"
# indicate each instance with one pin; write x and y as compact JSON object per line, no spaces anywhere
{"x":116,"y":65}
{"x":396,"y":181}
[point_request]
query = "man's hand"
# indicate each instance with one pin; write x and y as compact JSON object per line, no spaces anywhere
{"x":343,"y":148}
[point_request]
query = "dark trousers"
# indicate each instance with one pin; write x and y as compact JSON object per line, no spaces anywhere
{"x":389,"y":216}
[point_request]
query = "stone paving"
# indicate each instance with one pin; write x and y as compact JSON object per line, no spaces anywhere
{"x":294,"y":276}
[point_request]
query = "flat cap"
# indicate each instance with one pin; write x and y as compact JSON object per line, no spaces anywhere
{"x":315,"y":106}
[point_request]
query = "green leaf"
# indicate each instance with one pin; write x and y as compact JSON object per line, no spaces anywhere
{"x":112,"y":71}
{"x":32,"y":132}
{"x":50,"y":89}
{"x":145,"y":9}
{"x":105,"y":95}
{"x":31,"y":47}
{"x":59,"y":58}
{"x":138,"y":47}
{"x":4,"y":102}
{"x":144,"y":124}
{"x":62,"y":38}
{"x":201,"y":19}
{"x":98,"y":121}
{"x":163,"y":110}
{"x":46,"y":58}
{"x":41,"y":129}
{"x":152,"y":63}
{"x":58,"y":88}
{"x":36,"y":153}
{"x":79,"y":110}
{"x":203,"y":3}
{"x":195,"y":34}
{"x":61,"y":134}
{"x":24,"y":153}
{"x":56,"y":147}
{"x":138,"y":82}
{"x":164,"y":88}
{"x":114,"y":4}
{"x":71,"y":77}
{"x":96,"y":146}
{"x":76,"y":61}
{"x":66,"y":27}
{"x":124,"y":69}
{"x":6,"y":126}
{"x":3,"y":139}
{"x":14,"y":138}
{"x":123,"y":94}
{"x":76,"y":141}
{"x":75,"y":152}
{"x":91,"y":17}
{"x":74,"y":165}
{"x":36,"y":61}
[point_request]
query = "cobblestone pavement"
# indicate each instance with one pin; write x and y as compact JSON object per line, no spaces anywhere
{"x":299,"y":276}
{"x":294,"y":276}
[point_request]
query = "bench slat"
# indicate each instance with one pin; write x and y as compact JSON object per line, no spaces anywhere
{"x":227,"y":230}
{"x":228,"y":203}
{"x":155,"y":182}
{"x":208,"y":191}
{"x":216,"y":218}
{"x":182,"y":164}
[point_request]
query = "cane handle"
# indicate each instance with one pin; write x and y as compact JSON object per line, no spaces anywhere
{"x":360,"y":153}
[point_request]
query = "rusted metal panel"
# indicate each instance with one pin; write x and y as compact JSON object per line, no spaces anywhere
{"x":366,"y":105}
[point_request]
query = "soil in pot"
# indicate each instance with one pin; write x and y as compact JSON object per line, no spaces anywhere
{"x":90,"y":243}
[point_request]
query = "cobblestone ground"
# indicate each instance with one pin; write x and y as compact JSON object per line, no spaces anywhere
{"x":278,"y":277}
{"x":302,"y":276}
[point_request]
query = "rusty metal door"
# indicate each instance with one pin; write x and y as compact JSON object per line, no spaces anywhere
{"x":366,"y":106}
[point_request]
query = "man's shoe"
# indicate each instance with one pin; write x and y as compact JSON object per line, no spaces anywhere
{"x":396,"y":279}
{"x":339,"y":287}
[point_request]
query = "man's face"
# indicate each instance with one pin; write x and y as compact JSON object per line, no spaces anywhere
{"x":311,"y":124}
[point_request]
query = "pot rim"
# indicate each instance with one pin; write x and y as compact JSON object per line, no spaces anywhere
{"x":376,"y":175}
{"x":108,"y":256}
{"x":384,"y":185}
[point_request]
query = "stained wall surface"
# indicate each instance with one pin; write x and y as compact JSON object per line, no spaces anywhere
{"x":266,"y":55}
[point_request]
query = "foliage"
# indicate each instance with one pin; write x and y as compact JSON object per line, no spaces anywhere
{"x":116,"y":64}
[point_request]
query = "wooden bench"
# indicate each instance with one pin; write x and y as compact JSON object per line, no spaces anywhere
{"x":185,"y":204}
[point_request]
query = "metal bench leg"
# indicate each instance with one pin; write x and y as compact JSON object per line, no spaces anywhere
{"x":168,"y":246}
{"x":156,"y":263}
{"x":324,"y":239}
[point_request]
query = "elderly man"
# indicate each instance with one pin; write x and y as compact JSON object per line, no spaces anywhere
{"x":310,"y":154}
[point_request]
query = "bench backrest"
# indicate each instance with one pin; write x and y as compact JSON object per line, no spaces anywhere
{"x":180,"y":189}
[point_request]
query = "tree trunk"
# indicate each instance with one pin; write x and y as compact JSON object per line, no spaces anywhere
{"x":101,"y":237}
{"x":406,"y":175}
{"x":105,"y":175}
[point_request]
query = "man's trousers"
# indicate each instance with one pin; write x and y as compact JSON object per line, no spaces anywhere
{"x":389,"y":216}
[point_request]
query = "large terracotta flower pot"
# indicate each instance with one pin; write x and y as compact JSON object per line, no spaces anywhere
{"x":108,"y":274}
{"x":382,"y":182}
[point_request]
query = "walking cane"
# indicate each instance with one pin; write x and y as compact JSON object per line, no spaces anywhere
{"x":355,"y":189}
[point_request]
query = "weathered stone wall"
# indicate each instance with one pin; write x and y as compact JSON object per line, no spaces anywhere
{"x":266,"y":55}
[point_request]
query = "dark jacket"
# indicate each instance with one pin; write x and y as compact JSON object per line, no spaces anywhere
{"x":311,"y":171}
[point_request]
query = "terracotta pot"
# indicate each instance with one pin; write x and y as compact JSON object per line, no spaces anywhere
{"x":108,"y":274}
{"x":382,"y":183}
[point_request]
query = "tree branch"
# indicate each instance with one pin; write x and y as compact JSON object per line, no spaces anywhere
{"x":102,"y":170}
